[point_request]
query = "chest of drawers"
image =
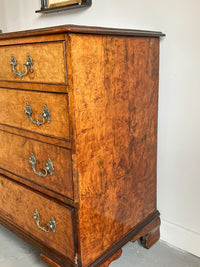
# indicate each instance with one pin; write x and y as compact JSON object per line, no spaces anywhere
{"x":78,"y":133}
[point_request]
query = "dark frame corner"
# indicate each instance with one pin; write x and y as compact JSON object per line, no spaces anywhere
{"x":46,"y":9}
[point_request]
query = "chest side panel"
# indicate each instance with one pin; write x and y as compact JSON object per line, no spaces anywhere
{"x":115,"y":82}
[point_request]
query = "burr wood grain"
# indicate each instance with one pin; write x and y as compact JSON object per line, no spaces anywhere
{"x":116,"y":92}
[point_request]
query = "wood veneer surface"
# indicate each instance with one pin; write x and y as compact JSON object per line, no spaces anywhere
{"x":48,"y":59}
{"x":16,"y":151}
{"x":18,"y":204}
{"x":12,"y":111}
{"x":115,"y":83}
{"x":36,"y":136}
{"x":34,"y":86}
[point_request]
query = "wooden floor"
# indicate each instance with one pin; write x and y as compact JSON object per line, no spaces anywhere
{"x":16,"y":253}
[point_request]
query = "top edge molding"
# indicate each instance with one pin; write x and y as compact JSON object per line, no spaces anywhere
{"x":81,"y":30}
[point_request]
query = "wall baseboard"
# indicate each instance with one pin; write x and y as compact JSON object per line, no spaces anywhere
{"x":180,"y":237}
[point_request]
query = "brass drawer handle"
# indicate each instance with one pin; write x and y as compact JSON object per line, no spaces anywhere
{"x":45,"y":115}
{"x":28,"y":66}
{"x":50,"y":226}
{"x":48,"y":168}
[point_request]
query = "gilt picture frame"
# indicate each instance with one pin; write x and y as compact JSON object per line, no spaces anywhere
{"x":56,"y":3}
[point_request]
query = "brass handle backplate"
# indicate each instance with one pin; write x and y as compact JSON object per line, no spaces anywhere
{"x":50,"y":226}
{"x":48,"y":168}
{"x":45,"y":115}
{"x":28,"y":66}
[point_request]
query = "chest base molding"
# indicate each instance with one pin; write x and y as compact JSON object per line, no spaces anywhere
{"x":147,"y":231}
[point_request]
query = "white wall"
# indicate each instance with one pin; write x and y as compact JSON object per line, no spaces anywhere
{"x":179,"y":101}
{"x":2,"y":15}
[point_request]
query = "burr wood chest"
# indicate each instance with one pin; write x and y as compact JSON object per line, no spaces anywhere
{"x":78,"y":134}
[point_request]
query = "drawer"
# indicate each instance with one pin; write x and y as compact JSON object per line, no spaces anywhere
{"x":12,"y":111}
{"x":48,"y":63}
{"x":18,"y":205}
{"x":15,"y":154}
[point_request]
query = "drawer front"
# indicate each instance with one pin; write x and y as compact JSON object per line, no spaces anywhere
{"x":48,"y":63}
{"x":12,"y":112}
{"x":16,"y":152}
{"x":18,"y":205}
